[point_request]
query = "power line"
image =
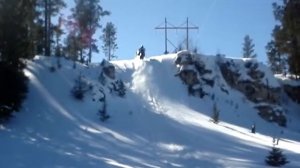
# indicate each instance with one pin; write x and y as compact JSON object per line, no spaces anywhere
{"x":166,"y":28}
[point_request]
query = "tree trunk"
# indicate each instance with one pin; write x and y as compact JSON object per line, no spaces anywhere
{"x":90,"y":54}
{"x":46,"y":28}
{"x":81,"y":56}
{"x":49,"y":30}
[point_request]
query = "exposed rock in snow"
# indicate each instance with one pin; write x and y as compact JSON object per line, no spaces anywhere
{"x":247,"y":76}
{"x":108,"y":69}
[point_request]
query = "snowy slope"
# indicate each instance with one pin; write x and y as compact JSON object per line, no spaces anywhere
{"x":157,"y":124}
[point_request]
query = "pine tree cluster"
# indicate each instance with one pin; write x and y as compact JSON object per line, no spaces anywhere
{"x":27,"y":29}
{"x":284,"y":49}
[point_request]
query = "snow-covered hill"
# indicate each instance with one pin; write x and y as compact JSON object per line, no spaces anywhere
{"x":156,"y":124}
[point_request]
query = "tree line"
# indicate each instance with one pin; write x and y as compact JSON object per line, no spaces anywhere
{"x":283,"y":51}
{"x":28,"y":28}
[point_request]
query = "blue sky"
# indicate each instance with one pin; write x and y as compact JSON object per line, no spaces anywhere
{"x":222,"y":25}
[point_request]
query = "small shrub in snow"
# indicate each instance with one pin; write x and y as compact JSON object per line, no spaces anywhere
{"x":102,"y":78}
{"x":119,"y":88}
{"x":52,"y":69}
{"x":215,"y":114}
{"x":236,"y":106}
{"x":103,"y":112}
{"x":253,"y":128}
{"x":58,"y":63}
{"x":276,"y":158}
{"x":80,"y":88}
{"x":77,"y":93}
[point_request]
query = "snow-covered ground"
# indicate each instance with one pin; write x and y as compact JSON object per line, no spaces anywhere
{"x":157,"y":124}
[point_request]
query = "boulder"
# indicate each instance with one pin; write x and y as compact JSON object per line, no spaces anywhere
{"x":108,"y":69}
{"x":110,"y":72}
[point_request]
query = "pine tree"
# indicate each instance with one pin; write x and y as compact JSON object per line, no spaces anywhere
{"x":80,"y":87}
{"x":286,"y":34}
{"x":276,"y":158}
{"x":276,"y":61}
{"x":16,"y":31}
{"x":58,"y":32}
{"x":72,"y":48}
{"x":87,"y":15}
{"x":16,"y":44}
{"x":13,"y":89}
{"x":109,"y":41}
{"x":248,"y":47}
{"x":46,"y":10}
{"x":215,"y":114}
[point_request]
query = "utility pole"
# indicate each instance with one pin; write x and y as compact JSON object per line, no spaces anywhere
{"x":187,"y":33}
{"x":166,"y":37}
{"x":166,"y":28}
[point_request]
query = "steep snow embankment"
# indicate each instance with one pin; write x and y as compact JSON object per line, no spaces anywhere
{"x":157,"y":124}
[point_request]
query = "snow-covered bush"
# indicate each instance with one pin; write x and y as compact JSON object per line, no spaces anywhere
{"x":119,"y":88}
{"x":100,"y":97}
{"x":107,"y":78}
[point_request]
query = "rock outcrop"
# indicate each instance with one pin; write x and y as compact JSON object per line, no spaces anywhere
{"x":192,"y":72}
{"x":108,"y":69}
{"x":256,"y":88}
{"x":107,"y":78}
{"x":247,"y":76}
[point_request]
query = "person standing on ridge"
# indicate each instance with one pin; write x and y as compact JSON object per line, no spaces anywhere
{"x":141,"y":52}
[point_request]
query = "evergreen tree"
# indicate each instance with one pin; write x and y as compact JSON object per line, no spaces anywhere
{"x":248,"y":48}
{"x":215,"y":114}
{"x":16,"y":34}
{"x":13,"y":89}
{"x":109,"y":40}
{"x":87,"y":15}
{"x":46,"y":10}
{"x":80,"y":88}
{"x":72,"y":48}
{"x":16,"y":31}
{"x":276,"y":158}
{"x":286,"y":35}
{"x":276,"y":61}
{"x":58,"y":32}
